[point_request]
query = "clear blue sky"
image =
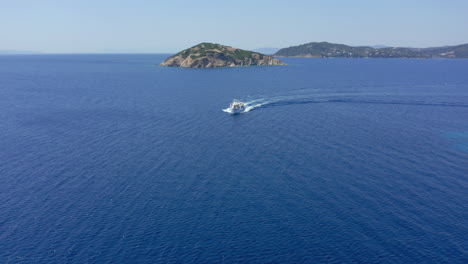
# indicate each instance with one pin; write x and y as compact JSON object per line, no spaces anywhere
{"x":82,"y":26}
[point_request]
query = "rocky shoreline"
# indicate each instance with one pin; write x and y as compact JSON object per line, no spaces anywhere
{"x":209,"y":55}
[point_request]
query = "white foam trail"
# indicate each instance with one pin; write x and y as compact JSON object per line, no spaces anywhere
{"x":314,"y":95}
{"x":253,"y":104}
{"x":249,"y":106}
{"x":307,"y":97}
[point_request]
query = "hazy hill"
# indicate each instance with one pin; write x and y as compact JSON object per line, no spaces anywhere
{"x":331,"y":50}
{"x":13,"y":52}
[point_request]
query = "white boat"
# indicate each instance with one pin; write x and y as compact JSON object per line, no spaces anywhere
{"x":236,"y":107}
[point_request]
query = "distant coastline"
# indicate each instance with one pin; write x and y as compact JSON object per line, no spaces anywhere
{"x":18,"y":52}
{"x":332,"y":50}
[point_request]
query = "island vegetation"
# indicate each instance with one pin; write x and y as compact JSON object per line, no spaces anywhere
{"x":210,"y":55}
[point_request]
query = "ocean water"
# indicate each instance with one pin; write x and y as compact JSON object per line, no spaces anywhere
{"x":113,"y":159}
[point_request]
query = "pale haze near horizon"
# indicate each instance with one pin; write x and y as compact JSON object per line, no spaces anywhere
{"x":139,"y":26}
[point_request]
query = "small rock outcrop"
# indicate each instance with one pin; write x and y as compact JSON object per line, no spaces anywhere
{"x":209,"y":55}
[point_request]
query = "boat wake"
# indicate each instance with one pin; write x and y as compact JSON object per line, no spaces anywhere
{"x":357,"y":98}
{"x":250,"y":105}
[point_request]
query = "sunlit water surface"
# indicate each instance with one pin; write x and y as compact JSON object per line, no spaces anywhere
{"x":113,"y":159}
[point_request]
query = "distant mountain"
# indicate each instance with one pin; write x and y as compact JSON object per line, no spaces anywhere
{"x":210,"y":55}
{"x":331,"y":50}
{"x":8,"y":52}
{"x":267,"y":51}
{"x":380,"y":46}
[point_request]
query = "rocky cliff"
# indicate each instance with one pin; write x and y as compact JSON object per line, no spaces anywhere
{"x":209,"y":55}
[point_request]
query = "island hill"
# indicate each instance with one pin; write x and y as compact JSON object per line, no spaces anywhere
{"x":209,"y":55}
{"x":331,"y":50}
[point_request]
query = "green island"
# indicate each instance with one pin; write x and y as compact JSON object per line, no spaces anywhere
{"x":331,"y":50}
{"x":210,"y":55}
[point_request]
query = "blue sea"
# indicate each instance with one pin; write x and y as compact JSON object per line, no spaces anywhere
{"x":114,"y":159}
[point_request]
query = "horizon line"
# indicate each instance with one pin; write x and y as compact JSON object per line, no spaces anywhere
{"x":25,"y":52}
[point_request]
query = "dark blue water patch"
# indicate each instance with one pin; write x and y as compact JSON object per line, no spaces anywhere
{"x":113,"y":159}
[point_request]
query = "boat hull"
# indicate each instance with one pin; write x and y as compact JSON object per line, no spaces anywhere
{"x":236,"y":111}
